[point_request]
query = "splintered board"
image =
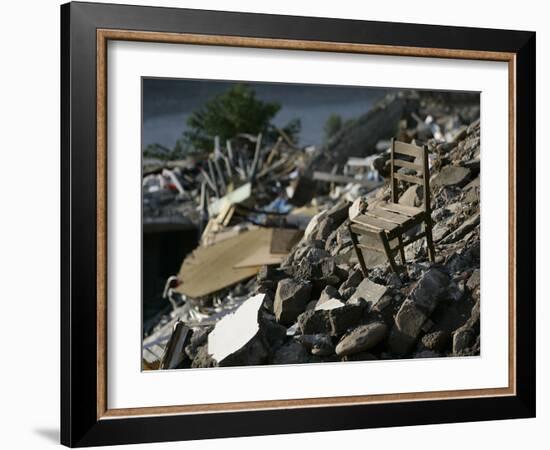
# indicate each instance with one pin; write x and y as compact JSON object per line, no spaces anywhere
{"x":221,"y":265}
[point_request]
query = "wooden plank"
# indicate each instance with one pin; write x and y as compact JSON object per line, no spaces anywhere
{"x":240,"y":194}
{"x":390,"y":216}
{"x":407,"y":149}
{"x":408,"y":178}
{"x":407,"y":164}
{"x":375,"y":222}
{"x":410,"y":211}
{"x":261,"y":258}
{"x":414,"y":238}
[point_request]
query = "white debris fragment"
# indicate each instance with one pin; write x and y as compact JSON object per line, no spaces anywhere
{"x":235,"y":330}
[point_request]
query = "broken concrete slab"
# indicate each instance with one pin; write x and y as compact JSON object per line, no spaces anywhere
{"x":236,"y":338}
{"x":370,"y":292}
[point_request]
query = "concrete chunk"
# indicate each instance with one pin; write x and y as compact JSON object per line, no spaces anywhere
{"x":291,"y":299}
{"x":370,"y":292}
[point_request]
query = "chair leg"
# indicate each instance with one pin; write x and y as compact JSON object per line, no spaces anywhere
{"x":358,"y":251}
{"x":386,"y":245}
{"x":430,"y":240}
{"x":401,"y":250}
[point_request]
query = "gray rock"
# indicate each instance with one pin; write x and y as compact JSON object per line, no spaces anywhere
{"x":314,"y":322}
{"x":291,"y":299}
{"x":369,"y":291}
{"x":472,"y":184}
{"x":345,"y":294}
{"x":463,"y":339}
{"x":341,"y":319}
{"x":407,"y":327}
{"x":326,"y":226}
{"x":474,"y":281}
{"x":293,"y":352}
{"x":362,"y":339}
{"x":311,"y":305}
{"x":328,"y":272}
{"x":383,"y":303}
{"x":329,"y":292}
{"x":462,"y":230}
{"x":202,"y":358}
{"x":450,"y":176}
{"x":413,"y":196}
{"x":315,"y":254}
{"x":274,"y":333}
{"x":439,"y":231}
{"x":436,"y":341}
{"x":430,"y":289}
{"x":410,"y":318}
{"x":334,"y":320}
{"x":355,"y":277}
{"x":455,"y":291}
{"x":198,"y":339}
{"x":339,"y":213}
{"x":318,"y":344}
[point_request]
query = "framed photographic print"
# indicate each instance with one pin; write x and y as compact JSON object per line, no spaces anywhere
{"x":276,"y":224}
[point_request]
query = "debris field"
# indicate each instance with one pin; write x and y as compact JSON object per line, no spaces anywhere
{"x":275,"y":277}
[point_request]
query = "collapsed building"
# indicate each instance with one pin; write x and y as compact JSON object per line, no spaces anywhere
{"x":268,"y":273}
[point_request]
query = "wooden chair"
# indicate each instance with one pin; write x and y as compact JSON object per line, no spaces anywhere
{"x":389,"y":221}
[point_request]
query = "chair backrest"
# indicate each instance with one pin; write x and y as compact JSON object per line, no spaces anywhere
{"x":410,"y":156}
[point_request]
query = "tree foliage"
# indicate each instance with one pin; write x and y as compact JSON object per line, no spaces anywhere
{"x":235,"y":111}
{"x":332,"y":126}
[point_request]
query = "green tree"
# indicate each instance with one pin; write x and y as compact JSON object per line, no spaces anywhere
{"x":235,"y":111}
{"x":332,"y":126}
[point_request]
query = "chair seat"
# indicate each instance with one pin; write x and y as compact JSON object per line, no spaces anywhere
{"x":392,"y":218}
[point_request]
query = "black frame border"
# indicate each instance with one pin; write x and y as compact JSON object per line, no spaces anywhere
{"x":79,"y":423}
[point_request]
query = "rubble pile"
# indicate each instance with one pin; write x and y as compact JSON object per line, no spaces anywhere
{"x":310,"y":302}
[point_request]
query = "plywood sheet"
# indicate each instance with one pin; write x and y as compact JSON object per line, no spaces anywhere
{"x":210,"y":269}
{"x":282,"y":240}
